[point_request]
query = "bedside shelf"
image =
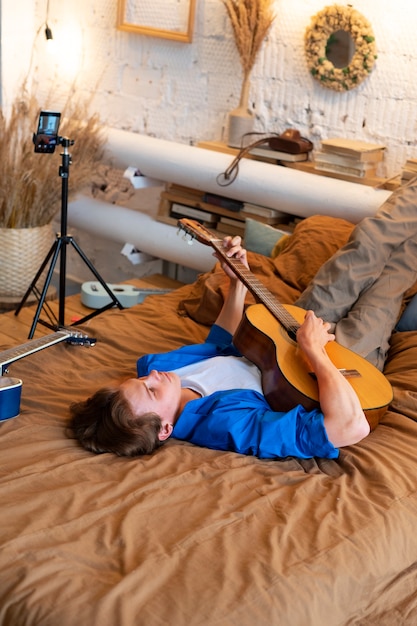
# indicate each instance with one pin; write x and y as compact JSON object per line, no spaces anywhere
{"x":177,"y":201}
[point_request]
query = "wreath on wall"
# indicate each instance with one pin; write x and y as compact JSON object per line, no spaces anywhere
{"x":323,"y":25}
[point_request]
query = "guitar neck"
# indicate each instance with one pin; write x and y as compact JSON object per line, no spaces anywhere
{"x":258,"y":290}
{"x":14,"y":354}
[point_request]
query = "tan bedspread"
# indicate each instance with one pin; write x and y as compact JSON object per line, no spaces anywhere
{"x":191,"y":536}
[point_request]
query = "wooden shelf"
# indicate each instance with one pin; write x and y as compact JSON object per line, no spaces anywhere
{"x":219,"y":146}
{"x":174,"y":195}
{"x":192,"y":199}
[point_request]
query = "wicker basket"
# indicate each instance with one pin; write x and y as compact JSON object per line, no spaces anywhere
{"x":22,"y":251}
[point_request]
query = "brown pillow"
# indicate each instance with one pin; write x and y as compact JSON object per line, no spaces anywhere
{"x":313,"y":242}
{"x":204,"y":301}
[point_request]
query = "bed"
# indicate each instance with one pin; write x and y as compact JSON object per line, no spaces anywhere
{"x":191,"y":536}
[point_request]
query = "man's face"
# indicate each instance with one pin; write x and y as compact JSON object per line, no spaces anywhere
{"x":158,"y":392}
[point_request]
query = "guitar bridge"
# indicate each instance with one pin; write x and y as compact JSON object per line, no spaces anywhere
{"x":345,"y":372}
{"x":350,"y":373}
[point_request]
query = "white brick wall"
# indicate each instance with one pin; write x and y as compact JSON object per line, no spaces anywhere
{"x":183,"y":91}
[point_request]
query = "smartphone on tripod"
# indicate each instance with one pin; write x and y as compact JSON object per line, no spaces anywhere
{"x":46,"y":137}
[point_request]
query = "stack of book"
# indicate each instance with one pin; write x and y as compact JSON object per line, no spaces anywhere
{"x":231,"y":226}
{"x":264,"y":214}
{"x":225,"y":203}
{"x":349,"y":157}
{"x":264,"y":153}
{"x":409,"y":170}
{"x":179,"y":210}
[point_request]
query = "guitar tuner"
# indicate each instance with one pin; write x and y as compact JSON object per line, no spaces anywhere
{"x":188,"y":238}
{"x":81,"y":340}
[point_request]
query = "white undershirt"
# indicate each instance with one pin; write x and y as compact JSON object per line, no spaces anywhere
{"x":220,"y":373}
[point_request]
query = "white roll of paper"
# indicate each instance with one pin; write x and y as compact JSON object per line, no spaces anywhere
{"x":285,"y":189}
{"x":120,"y":224}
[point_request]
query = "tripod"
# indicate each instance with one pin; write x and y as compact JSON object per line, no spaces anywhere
{"x":59,"y":248}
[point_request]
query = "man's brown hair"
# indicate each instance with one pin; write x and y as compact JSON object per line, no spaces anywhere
{"x":105,"y":423}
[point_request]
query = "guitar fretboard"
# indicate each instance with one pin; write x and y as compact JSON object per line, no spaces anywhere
{"x":14,"y":354}
{"x":258,"y":290}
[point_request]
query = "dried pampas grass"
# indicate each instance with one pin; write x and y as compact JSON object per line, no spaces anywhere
{"x":251,"y":21}
{"x":30,"y":184}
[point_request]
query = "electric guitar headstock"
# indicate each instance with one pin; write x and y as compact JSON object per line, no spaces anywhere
{"x":76,"y":338}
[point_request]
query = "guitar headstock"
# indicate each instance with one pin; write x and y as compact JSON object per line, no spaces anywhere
{"x":78,"y":339}
{"x":198,"y":231}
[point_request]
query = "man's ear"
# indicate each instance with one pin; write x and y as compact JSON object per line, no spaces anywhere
{"x":166,"y":431}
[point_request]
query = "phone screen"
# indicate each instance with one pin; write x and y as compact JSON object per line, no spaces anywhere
{"x":46,"y":137}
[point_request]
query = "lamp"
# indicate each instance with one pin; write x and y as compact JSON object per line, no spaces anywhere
{"x":48,"y":33}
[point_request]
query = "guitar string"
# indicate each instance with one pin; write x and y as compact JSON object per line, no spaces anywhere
{"x":259,"y":290}
{"x":248,"y":278}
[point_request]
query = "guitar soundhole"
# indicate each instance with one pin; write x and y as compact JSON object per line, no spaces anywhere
{"x":289,"y":333}
{"x":292,"y":334}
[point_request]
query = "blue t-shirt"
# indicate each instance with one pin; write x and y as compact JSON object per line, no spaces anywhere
{"x":240,"y":420}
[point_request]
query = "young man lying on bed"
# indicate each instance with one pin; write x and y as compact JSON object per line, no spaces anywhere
{"x":211,"y":395}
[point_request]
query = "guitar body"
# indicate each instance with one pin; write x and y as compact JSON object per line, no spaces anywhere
{"x":286,"y":379}
{"x":10,"y":394}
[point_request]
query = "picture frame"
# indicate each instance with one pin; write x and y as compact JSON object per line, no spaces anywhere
{"x":144,"y":17}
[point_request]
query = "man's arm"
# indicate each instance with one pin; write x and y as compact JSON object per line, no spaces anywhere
{"x":232,"y":310}
{"x":344,"y":419}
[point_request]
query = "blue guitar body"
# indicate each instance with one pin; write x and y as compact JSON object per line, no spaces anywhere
{"x":10,"y":393}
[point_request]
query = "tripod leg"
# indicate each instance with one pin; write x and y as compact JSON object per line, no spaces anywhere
{"x":32,"y":285}
{"x":57,"y":246}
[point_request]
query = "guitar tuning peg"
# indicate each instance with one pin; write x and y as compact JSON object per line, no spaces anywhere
{"x":187,"y":238}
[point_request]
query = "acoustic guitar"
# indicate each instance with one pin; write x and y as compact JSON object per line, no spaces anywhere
{"x":11,"y":388}
{"x":94,"y":296}
{"x":267,"y":337}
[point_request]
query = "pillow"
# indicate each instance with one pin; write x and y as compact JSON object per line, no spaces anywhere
{"x":314,"y":240}
{"x":204,"y":300}
{"x":262,"y":238}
